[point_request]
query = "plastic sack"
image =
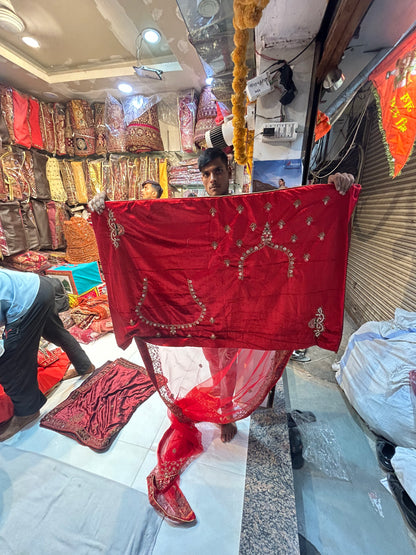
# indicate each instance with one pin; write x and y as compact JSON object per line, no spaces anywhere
{"x":374,"y":374}
{"x":187,"y":109}
{"x":135,"y":106}
{"x":404,"y":464}
{"x":320,"y":446}
{"x":114,"y":125}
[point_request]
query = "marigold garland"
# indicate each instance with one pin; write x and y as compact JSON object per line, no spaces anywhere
{"x":247,"y":14}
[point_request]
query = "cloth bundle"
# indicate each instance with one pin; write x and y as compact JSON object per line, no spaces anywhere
{"x":187,"y":108}
{"x":53,"y":175}
{"x":143,"y":133}
{"x":115,"y":126}
{"x":100,"y":134}
{"x":82,"y":123}
{"x":81,"y":242}
{"x":47,"y":127}
{"x":28,"y":261}
{"x":205,"y":118}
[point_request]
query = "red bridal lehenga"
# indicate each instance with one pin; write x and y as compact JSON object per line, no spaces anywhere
{"x":217,"y":293}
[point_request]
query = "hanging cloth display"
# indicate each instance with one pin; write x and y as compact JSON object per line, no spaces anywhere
{"x":394,"y":81}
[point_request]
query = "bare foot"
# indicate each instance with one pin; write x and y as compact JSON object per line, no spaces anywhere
{"x":15,"y":424}
{"x":228,"y":431}
{"x":72,"y":373}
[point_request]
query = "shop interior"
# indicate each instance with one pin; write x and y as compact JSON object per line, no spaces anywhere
{"x":103,"y":95}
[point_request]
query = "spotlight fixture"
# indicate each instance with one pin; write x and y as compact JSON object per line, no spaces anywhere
{"x":151,"y":36}
{"x":33,"y":43}
{"x":148,"y":72}
{"x":125,"y":88}
{"x":333,"y":80}
{"x":10,"y":22}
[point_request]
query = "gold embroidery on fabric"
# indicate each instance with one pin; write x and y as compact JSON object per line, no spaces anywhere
{"x":294,"y":238}
{"x":227,"y":229}
{"x":321,"y":235}
{"x":309,"y":220}
{"x":239,"y":243}
{"x":214,"y":245}
{"x":253,"y":226}
{"x":171,"y":327}
{"x":266,"y":241}
{"x":317,"y":323}
{"x":212,"y":211}
{"x":240,"y":208}
{"x":325,"y":200}
{"x":268,"y":207}
{"x":116,"y":230}
{"x":306,"y":257}
{"x":227,"y":262}
{"x":281,"y":224}
{"x":297,"y":203}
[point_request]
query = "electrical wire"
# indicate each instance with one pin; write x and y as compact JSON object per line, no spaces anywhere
{"x":354,"y":132}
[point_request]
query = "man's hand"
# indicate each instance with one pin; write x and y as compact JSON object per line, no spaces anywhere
{"x":97,"y":204}
{"x":342,"y":181}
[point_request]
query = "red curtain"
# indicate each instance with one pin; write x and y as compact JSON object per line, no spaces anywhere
{"x":237,"y":282}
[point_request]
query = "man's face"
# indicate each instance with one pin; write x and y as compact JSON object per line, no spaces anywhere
{"x":148,"y":191}
{"x":216,"y":177}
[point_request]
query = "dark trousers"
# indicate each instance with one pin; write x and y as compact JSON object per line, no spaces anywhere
{"x":18,"y":364}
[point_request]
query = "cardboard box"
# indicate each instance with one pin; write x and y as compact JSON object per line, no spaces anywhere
{"x":77,"y":278}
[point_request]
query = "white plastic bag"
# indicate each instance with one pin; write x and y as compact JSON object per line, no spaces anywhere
{"x":374,"y":374}
{"x":404,"y":464}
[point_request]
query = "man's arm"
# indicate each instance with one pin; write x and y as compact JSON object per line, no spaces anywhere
{"x":342,"y":181}
{"x":97,"y":204}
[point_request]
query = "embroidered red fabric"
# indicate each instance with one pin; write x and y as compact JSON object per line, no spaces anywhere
{"x":239,"y":276}
{"x":265,"y":271}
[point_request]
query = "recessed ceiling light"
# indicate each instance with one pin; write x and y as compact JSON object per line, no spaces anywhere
{"x":151,"y":36}
{"x":209,"y":80}
{"x":125,"y":88}
{"x":33,"y":43}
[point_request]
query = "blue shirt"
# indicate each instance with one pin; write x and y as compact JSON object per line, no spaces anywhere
{"x":18,"y":290}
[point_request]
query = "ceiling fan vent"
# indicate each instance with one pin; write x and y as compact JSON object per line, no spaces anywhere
{"x":9,"y":21}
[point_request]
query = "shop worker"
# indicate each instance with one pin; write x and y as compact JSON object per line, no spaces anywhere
{"x":150,"y":189}
{"x":28,"y":312}
{"x":216,"y":173}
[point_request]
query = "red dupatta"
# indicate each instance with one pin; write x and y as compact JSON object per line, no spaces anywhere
{"x":238,"y":282}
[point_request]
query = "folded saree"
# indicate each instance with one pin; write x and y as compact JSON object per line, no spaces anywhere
{"x":238,"y":283}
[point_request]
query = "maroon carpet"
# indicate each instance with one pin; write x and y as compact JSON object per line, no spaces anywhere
{"x":94,"y":413}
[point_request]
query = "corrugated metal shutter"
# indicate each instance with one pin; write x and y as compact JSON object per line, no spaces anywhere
{"x":382,"y":261}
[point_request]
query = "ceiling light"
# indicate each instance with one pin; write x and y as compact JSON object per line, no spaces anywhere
{"x":125,"y":88}
{"x":33,"y":43}
{"x":51,"y":95}
{"x":209,"y":81}
{"x":11,"y":22}
{"x":151,"y":36}
{"x":148,"y":72}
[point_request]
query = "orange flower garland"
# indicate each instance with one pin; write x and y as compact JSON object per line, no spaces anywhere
{"x":247,"y":14}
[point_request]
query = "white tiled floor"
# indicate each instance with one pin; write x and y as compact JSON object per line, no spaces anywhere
{"x":213,"y":484}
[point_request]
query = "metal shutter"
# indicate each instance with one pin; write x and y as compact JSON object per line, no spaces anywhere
{"x":382,"y":258}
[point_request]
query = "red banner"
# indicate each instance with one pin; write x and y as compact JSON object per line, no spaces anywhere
{"x":394,"y":80}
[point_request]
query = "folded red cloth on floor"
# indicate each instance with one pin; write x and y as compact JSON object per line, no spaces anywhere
{"x":96,"y":411}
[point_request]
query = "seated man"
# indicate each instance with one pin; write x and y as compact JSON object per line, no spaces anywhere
{"x":28,"y":312}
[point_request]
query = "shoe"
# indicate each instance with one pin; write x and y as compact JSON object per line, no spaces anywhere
{"x":15,"y":424}
{"x":300,"y":356}
{"x":407,"y":507}
{"x":303,"y":416}
{"x":385,"y":451}
{"x":296,"y":446}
